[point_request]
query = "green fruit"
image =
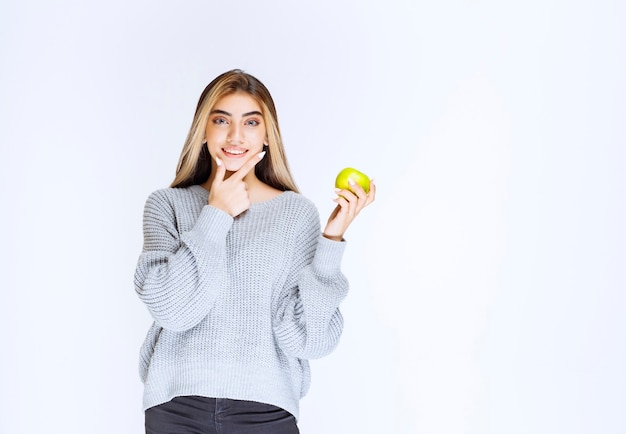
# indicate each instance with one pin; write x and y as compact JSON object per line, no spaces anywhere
{"x":349,"y":173}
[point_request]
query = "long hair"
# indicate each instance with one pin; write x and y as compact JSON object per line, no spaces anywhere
{"x":194,"y":164}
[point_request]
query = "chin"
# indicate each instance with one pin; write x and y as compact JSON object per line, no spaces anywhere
{"x":233,"y":166}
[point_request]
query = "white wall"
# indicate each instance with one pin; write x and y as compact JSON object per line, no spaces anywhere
{"x":488,"y":278}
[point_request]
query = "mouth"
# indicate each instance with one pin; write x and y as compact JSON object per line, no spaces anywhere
{"x":234,"y":152}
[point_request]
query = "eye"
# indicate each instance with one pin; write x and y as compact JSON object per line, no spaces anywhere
{"x":219,"y":121}
{"x":253,"y":122}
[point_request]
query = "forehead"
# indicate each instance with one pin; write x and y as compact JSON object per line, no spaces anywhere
{"x":237,"y":103}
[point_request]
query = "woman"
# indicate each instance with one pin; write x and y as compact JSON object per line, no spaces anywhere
{"x":243,"y":286}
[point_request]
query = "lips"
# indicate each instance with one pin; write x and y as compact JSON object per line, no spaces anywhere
{"x":234,"y":151}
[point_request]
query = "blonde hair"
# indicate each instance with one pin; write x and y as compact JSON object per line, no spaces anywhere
{"x":194,"y":164}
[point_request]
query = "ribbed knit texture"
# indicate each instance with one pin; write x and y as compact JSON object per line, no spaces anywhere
{"x":239,"y":304}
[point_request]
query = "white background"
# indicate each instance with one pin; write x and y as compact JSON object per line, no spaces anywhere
{"x":488,"y":279}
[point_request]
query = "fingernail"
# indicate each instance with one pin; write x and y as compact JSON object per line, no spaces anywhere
{"x":261,"y":155}
{"x":337,"y":190}
{"x":350,"y":181}
{"x":218,"y":161}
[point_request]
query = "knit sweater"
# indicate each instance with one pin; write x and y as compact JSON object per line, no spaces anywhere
{"x":239,"y":304}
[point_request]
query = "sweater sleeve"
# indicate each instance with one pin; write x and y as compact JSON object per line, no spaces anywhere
{"x":178,"y":275}
{"x":308,"y":322}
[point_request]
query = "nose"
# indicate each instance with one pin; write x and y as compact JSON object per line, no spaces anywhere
{"x":235,"y":135}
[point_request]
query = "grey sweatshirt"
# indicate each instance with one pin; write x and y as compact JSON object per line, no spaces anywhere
{"x":239,"y":304}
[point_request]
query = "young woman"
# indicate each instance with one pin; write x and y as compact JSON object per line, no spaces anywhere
{"x":243,"y":285}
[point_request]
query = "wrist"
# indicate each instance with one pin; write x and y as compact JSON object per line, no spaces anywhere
{"x":333,"y":237}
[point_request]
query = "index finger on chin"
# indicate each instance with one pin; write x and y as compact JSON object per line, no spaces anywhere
{"x":220,"y":172}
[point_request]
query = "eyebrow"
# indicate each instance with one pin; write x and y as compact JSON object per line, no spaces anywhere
{"x":222,"y":112}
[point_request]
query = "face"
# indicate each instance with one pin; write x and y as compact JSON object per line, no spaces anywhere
{"x":235,"y":130}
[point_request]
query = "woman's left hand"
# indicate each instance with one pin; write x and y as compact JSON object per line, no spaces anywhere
{"x":349,"y":205}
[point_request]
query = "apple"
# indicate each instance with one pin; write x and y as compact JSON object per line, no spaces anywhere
{"x":358,"y":177}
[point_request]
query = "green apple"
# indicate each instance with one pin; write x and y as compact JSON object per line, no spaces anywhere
{"x":358,"y":177}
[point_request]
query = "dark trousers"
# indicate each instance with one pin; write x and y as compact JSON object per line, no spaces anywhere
{"x":199,"y":415}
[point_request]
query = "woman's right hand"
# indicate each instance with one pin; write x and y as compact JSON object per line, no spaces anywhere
{"x":230,"y":194}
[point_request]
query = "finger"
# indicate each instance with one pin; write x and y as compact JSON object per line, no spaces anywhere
{"x":348,"y":204}
{"x":371,"y":196}
{"x":342,"y":202}
{"x":220,"y":172}
{"x":247,"y":167}
{"x":357,"y":189}
{"x":348,"y":195}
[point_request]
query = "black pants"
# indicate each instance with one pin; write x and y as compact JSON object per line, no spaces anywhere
{"x":199,"y":415}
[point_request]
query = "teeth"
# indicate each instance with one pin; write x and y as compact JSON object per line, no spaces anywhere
{"x":233,"y":151}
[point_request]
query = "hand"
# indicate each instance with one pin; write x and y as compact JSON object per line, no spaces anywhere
{"x":231,"y":194}
{"x":349,"y":205}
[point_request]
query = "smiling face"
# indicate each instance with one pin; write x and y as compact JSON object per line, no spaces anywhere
{"x":235,"y":130}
